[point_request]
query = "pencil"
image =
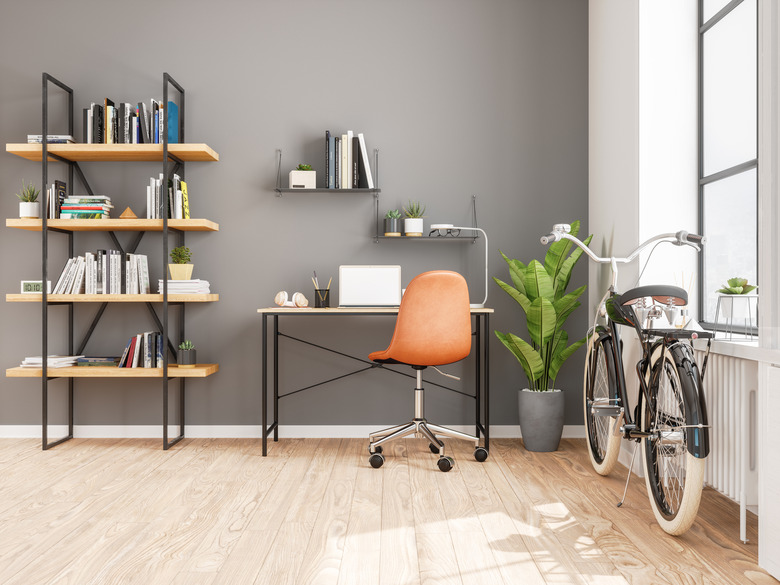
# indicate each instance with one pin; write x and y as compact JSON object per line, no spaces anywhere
{"x":329,"y":281}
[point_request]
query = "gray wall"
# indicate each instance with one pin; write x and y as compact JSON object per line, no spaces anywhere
{"x":461,"y":97}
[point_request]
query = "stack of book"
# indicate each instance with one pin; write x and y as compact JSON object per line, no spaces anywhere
{"x":55,"y":196}
{"x":125,"y":123}
{"x":86,"y":207}
{"x":347,"y":161}
{"x":53,"y":361}
{"x":105,"y":272}
{"x":144,"y":350}
{"x":188,"y":287}
{"x":93,"y":361}
{"x":178,"y":199}
{"x":51,"y":138}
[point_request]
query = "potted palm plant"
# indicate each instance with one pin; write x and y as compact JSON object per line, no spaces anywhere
{"x":29,"y":206}
{"x":540,"y":290}
{"x":180,"y":267}
{"x":413,"y":224}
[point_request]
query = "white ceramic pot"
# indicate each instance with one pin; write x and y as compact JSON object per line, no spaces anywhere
{"x":29,"y":209}
{"x":413,"y":226}
{"x":303,"y":179}
{"x":738,"y":307}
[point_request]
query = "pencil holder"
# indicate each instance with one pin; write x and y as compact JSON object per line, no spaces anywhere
{"x":321,"y":298}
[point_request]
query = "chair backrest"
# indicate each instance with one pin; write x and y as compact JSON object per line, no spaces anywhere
{"x":434,"y":321}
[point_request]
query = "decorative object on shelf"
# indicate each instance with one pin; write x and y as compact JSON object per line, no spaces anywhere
{"x":413,"y":224}
{"x":128,"y":214}
{"x":29,"y":206}
{"x":393,"y":223}
{"x":186,"y":356}
{"x":181,"y":269}
{"x":448,"y":227}
{"x":540,"y":290}
{"x":298,"y":299}
{"x":303,"y":177}
{"x":33,"y":287}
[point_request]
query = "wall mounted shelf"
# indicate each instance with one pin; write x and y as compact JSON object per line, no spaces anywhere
{"x":425,"y":238}
{"x":114,"y":225}
{"x":114,"y":152}
{"x":150,"y":298}
{"x":355,"y":191}
{"x":174,"y":371}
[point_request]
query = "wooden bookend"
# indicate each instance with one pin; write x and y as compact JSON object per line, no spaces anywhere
{"x":128,"y":214}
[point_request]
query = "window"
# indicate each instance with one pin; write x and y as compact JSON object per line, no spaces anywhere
{"x":728,"y":160}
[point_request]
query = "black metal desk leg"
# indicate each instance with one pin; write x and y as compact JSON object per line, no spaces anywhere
{"x":264,"y":384}
{"x":276,"y":378}
{"x":487,"y":381}
{"x":478,"y":373}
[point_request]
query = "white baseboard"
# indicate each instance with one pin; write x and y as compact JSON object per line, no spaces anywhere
{"x":241,"y":431}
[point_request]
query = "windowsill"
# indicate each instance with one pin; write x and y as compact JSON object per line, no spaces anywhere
{"x":744,"y":349}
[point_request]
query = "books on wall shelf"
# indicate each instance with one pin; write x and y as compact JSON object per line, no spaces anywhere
{"x":52,"y":361}
{"x":86,"y":207}
{"x":126,"y":123}
{"x":347,"y":161}
{"x":143,"y":350}
{"x":178,"y":198}
{"x":185,"y":287}
{"x":98,"y":361}
{"x":104,"y":272}
{"x":50,"y":138}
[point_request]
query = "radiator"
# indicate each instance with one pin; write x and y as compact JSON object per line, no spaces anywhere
{"x":730,"y":386}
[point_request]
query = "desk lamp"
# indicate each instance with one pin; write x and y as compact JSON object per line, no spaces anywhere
{"x":447,"y":226}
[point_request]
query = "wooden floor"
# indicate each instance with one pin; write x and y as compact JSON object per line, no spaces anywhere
{"x":314,"y":511}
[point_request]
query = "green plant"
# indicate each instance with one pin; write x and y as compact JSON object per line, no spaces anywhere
{"x":29,"y":193}
{"x":303,"y":167}
{"x":540,"y":289}
{"x":415,"y":209}
{"x":186,"y":344}
{"x":393,"y":214}
{"x":736,"y":286}
{"x":181,"y":255}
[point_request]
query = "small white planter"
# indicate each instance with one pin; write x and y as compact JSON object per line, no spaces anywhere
{"x":303,"y":179}
{"x":29,"y":210}
{"x":738,"y":307}
{"x":413,"y":226}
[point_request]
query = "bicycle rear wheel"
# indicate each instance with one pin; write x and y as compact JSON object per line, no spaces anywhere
{"x":673,"y":476}
{"x":599,"y":396}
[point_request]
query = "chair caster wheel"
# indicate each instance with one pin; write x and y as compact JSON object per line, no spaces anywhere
{"x":434,"y":449}
{"x":377,"y":449}
{"x":480,"y":454}
{"x":376,"y":460}
{"x":445,"y":463}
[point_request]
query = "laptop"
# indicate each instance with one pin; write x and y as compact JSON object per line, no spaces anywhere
{"x":369,"y":286}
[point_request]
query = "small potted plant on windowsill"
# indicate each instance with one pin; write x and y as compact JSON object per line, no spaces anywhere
{"x":186,"y":357}
{"x":393,"y":223}
{"x":180,"y":268}
{"x":413,"y":224}
{"x":303,"y":177}
{"x":29,"y":206}
{"x":736,"y":287}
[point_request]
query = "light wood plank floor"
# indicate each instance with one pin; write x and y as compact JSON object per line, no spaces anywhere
{"x":213,"y":512}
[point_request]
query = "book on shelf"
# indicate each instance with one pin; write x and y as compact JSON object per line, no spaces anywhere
{"x":51,"y":138}
{"x":98,"y":361}
{"x":52,"y":361}
{"x":143,"y":350}
{"x":104,"y":272}
{"x":196,"y":286}
{"x":185,"y":201}
{"x":143,"y":122}
{"x":173,"y":123}
{"x":365,"y":167}
{"x":337,"y":163}
{"x":344,"y":161}
{"x":355,"y":169}
{"x":347,"y":161}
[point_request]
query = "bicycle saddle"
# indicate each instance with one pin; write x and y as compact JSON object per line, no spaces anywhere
{"x":661,"y":293}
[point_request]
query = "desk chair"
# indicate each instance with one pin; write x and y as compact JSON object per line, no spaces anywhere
{"x":433,"y":328}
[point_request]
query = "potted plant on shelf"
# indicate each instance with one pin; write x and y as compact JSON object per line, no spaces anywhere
{"x":540,"y":290}
{"x":186,"y":357}
{"x":29,"y":206}
{"x":180,"y":268}
{"x":735,"y":287}
{"x":393,"y":223}
{"x":303,"y":177}
{"x":413,"y":224}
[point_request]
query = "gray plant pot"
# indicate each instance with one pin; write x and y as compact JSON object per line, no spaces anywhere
{"x":541,"y":419}
{"x":187,"y":358}
{"x":392,"y":226}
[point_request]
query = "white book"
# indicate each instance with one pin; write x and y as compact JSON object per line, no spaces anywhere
{"x":366,"y":165}
{"x":143,"y":274}
{"x":78,"y":277}
{"x":116,"y":272}
{"x":138,"y":349}
{"x":58,"y":288}
{"x":344,"y":158}
{"x":68,"y":285}
{"x":90,"y":120}
{"x":350,"y":135}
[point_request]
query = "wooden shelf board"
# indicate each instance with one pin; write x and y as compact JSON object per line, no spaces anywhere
{"x":114,"y":152}
{"x":199,"y":371}
{"x":151,"y":298}
{"x":114,"y":225}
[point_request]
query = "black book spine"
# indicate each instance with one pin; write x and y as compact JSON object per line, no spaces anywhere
{"x":338,"y":162}
{"x":355,"y":162}
{"x":327,"y":157}
{"x":84,"y":138}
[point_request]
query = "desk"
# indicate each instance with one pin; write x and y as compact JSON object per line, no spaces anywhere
{"x":481,"y":387}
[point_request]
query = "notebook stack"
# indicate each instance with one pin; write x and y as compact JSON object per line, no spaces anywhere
{"x":185,"y":287}
{"x":54,"y":361}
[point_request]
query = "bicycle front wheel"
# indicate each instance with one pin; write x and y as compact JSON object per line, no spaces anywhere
{"x":673,"y":476}
{"x":599,"y":396}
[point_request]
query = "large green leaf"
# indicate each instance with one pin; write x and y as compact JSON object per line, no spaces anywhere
{"x":541,"y":321}
{"x":557,"y":252}
{"x":560,"y":357}
{"x":537,"y":282}
{"x":516,"y":272}
{"x":564,"y":275}
{"x":527,"y":356}
{"x":566,"y":304}
{"x":522,"y":300}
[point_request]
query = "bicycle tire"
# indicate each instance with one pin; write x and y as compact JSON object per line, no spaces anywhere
{"x":600,"y":383}
{"x":674,"y":477}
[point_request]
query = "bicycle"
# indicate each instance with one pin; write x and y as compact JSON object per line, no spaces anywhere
{"x":670,"y":416}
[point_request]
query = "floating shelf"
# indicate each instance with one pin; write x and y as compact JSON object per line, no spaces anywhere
{"x":151,"y":298}
{"x":281,"y":190}
{"x":430,"y":238}
{"x":114,"y":152}
{"x":174,"y":371}
{"x":114,"y":225}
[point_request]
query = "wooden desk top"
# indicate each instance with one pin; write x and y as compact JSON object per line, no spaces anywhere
{"x":346,"y":311}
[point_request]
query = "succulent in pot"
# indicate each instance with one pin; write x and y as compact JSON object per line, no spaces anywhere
{"x":393,"y":223}
{"x":413,"y":224}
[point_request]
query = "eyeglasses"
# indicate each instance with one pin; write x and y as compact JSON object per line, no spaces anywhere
{"x":443,"y":233}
